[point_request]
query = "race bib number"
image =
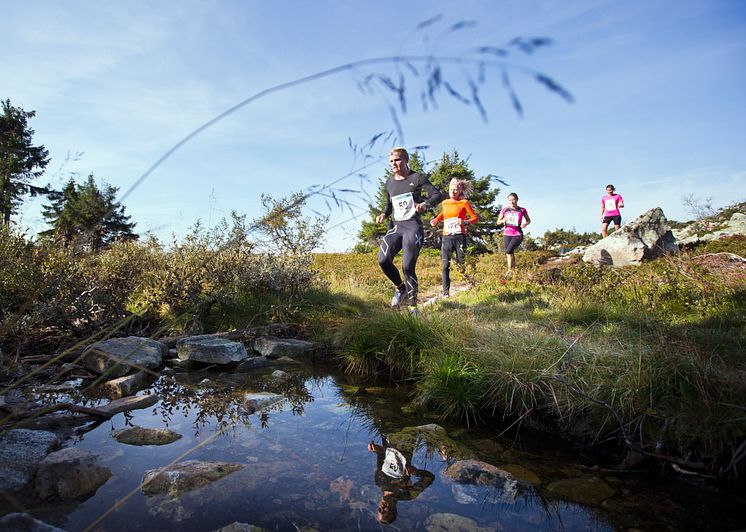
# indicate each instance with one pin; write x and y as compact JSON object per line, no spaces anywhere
{"x":452,"y":226}
{"x":403,"y":206}
{"x":513,"y":218}
{"x":610,"y":204}
{"x":394,"y":463}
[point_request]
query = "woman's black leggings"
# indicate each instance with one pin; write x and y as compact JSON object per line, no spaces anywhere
{"x":451,"y":244}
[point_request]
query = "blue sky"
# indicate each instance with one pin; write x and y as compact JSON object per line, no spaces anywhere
{"x":659,"y":107}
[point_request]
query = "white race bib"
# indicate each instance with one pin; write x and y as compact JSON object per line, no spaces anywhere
{"x":610,"y":204}
{"x":513,"y":218}
{"x":452,"y":226}
{"x":403,"y":206}
{"x":394,"y":463}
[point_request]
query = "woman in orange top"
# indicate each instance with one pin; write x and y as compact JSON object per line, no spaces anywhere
{"x":455,"y":210}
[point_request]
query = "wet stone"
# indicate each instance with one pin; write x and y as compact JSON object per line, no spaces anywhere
{"x":20,"y":452}
{"x":272,"y":347}
{"x":261,"y":400}
{"x":143,"y":436}
{"x":127,"y":385}
{"x":116,"y":356}
{"x":69,"y":473}
{"x":252,"y":363}
{"x":522,"y":473}
{"x":585,"y":490}
{"x":445,"y":522}
{"x":182,"y":477}
{"x":130,"y":403}
{"x":210,"y":350}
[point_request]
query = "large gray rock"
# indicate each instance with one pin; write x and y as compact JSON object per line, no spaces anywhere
{"x":69,"y":473}
{"x":21,"y":450}
{"x":127,"y":385}
{"x":272,"y":347}
{"x":117,"y":356}
{"x":210,"y":349}
{"x":646,"y":237}
{"x":126,"y":404}
{"x":144,"y":436}
{"x":176,"y":479}
{"x":25,"y":523}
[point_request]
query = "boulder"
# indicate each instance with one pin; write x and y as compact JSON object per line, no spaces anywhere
{"x":272,"y":347}
{"x":21,"y":450}
{"x":69,"y":473}
{"x":142,"y":436}
{"x":127,"y":385}
{"x":210,"y":349}
{"x":176,"y":479}
{"x":116,"y":356}
{"x":646,"y":237}
{"x":18,"y":522}
{"x":129,"y":403}
{"x":252,"y":363}
{"x":261,"y":400}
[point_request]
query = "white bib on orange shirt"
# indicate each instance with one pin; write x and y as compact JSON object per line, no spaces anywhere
{"x":452,"y":226}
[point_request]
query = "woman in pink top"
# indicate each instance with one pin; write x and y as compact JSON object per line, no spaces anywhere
{"x":515,"y":219}
{"x":610,"y":205}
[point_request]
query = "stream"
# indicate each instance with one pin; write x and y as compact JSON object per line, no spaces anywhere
{"x":306,"y":465}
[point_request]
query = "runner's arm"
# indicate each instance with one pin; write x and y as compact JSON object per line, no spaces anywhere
{"x":434,"y":194}
{"x":473,"y":218}
{"x":527,"y":217}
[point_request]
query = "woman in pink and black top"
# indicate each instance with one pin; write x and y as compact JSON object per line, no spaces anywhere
{"x":515,"y":219}
{"x":610,"y":205}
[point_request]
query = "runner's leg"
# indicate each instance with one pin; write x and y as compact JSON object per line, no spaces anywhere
{"x":412,"y":236}
{"x":391,"y":244}
{"x":445,"y":255}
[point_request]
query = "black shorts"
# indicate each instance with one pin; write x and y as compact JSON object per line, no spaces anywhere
{"x":511,"y":243}
{"x":616,"y":219}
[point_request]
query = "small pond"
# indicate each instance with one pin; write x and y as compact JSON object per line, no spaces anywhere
{"x":306,"y":465}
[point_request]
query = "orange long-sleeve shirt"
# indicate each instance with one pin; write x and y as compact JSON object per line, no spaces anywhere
{"x":454,"y":211}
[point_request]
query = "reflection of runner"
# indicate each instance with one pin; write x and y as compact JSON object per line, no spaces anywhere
{"x":610,"y":205}
{"x":454,"y":219}
{"x":404,"y":204}
{"x":515,"y":219}
{"x":394,"y":474}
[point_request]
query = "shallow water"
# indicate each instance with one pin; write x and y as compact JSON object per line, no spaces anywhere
{"x":307,"y":466}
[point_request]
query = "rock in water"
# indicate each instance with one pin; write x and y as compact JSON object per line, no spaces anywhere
{"x":117,"y":356}
{"x":69,"y":473}
{"x":646,"y":237}
{"x":585,"y":490}
{"x":272,"y":347}
{"x":177,"y":479}
{"x":142,"y":436}
{"x":210,"y":350}
{"x":21,"y":450}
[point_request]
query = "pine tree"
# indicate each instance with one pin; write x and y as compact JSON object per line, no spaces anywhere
{"x":87,"y":216}
{"x":20,"y":160}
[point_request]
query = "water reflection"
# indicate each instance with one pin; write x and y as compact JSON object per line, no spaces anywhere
{"x":313,"y":460}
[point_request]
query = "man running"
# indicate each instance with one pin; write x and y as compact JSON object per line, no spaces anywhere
{"x":404,"y":203}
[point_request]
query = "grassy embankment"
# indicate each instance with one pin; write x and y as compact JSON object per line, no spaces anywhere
{"x":652,"y":355}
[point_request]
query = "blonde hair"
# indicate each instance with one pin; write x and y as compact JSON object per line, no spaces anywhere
{"x":403,"y":151}
{"x":466,"y":185}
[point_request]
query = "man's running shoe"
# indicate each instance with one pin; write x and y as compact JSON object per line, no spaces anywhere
{"x":399,"y":296}
{"x":414,"y":312}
